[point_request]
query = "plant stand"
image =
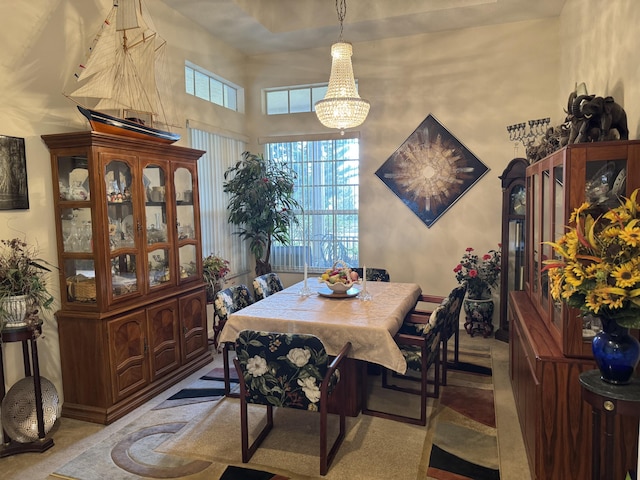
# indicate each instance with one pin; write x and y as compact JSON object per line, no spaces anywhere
{"x":28,"y":338}
{"x":479,"y":316}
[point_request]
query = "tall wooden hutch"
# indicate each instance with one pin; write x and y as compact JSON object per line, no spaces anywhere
{"x":133,"y":318}
{"x":549,"y":346}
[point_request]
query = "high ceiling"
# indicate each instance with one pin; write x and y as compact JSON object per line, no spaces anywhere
{"x":266,"y":26}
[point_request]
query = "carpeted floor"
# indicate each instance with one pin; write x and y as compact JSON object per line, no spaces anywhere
{"x":200,"y":439}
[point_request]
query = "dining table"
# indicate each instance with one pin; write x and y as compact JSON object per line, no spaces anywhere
{"x":370,"y":325}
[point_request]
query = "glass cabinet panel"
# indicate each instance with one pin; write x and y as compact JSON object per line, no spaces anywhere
{"x":123,"y":275}
{"x":73,"y":178}
{"x":187,"y":261}
{"x":120,"y":211}
{"x":535,"y":231}
{"x":159,"y":270}
{"x":81,"y":280}
{"x":605,"y":181}
{"x":77,"y":236}
{"x":155,"y":204}
{"x":183,"y":182}
{"x":558,"y":230}
{"x":546,"y":237}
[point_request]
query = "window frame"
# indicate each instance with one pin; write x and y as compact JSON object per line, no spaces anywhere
{"x":322,"y":235}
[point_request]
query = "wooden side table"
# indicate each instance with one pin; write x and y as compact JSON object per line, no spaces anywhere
{"x":28,"y":338}
{"x":611,"y":400}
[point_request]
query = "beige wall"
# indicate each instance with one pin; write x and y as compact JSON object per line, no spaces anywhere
{"x":599,"y":45}
{"x":476,"y":82}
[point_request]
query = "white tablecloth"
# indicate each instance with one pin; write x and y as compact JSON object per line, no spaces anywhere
{"x":369,"y":326}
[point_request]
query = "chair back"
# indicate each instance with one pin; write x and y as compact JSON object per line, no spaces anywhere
{"x":454,"y":305}
{"x":230,"y":300}
{"x":282,"y":369}
{"x":266,"y":285}
{"x":374,"y":274}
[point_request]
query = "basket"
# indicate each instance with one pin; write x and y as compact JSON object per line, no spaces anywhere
{"x":340,"y":287}
{"x":81,"y":289}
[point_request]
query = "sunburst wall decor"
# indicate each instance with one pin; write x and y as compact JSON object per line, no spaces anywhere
{"x":431,"y":170}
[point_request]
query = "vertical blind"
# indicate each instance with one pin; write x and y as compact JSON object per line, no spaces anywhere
{"x":217,"y":233}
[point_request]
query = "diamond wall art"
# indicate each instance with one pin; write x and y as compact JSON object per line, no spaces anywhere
{"x":431,"y":170}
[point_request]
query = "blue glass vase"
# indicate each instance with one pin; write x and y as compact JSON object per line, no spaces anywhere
{"x":616,"y":352}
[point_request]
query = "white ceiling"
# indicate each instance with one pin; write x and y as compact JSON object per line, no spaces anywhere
{"x":266,"y":26}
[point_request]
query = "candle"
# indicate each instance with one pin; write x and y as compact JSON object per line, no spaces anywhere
{"x":305,"y":273}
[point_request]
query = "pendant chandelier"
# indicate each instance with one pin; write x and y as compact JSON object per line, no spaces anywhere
{"x":341,"y":107}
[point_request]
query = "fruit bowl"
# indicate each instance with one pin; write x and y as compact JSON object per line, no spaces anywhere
{"x":340,"y":278}
{"x":339,"y":287}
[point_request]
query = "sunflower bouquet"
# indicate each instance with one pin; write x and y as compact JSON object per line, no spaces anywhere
{"x":597,"y":264}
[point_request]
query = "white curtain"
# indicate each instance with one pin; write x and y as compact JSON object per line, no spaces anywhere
{"x":218,"y":238}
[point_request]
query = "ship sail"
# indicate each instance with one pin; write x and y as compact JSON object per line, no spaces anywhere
{"x":123,"y":66}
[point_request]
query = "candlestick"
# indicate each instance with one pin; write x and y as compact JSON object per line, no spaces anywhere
{"x":305,"y":291}
{"x":364,"y":295}
{"x":364,"y":277}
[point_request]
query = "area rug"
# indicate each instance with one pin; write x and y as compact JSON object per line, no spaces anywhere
{"x":207,"y":388}
{"x":465,"y":443}
{"x":202,"y":441}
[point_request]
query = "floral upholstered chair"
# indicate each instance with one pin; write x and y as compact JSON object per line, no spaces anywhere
{"x":419,"y":342}
{"x":266,"y":285}
{"x":226,"y":302}
{"x":287,"y":371}
{"x":452,"y":328}
{"x":374,"y":274}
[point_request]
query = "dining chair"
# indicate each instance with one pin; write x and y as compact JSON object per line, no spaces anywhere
{"x":452,"y":328}
{"x":266,"y":285}
{"x":451,"y":324}
{"x":419,"y":342}
{"x":374,"y":274}
{"x":288,"y":370}
{"x":226,"y":302}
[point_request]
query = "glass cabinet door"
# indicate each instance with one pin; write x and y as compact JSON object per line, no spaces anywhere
{"x":154,"y":177}
{"x":185,"y":223}
{"x":558,"y":231}
{"x":76,"y":228}
{"x":123,"y":226}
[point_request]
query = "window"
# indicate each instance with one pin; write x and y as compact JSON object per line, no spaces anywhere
{"x":327,"y":188}
{"x":217,"y":233}
{"x":212,"y":88}
{"x":300,"y":98}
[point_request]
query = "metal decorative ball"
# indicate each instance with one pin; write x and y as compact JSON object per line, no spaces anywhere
{"x":19,"y":409}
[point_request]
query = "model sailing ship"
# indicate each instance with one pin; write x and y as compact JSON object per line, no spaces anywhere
{"x":123,"y":70}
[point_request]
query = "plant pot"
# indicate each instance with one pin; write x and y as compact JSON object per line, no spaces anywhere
{"x":14,"y":311}
{"x":479,"y":316}
{"x":616,"y":352}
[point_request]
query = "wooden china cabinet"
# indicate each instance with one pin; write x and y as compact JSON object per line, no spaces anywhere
{"x":133,"y":318}
{"x":549,"y":346}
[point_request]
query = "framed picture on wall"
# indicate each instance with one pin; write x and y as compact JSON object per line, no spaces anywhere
{"x":14,"y":194}
{"x":431,"y":170}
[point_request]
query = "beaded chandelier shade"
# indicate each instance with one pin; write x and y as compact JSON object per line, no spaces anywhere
{"x":341,"y":107}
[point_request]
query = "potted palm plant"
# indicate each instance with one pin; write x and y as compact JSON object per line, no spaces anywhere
{"x":261,"y":204}
{"x":23,"y":288}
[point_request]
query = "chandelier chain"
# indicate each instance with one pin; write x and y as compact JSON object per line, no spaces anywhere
{"x":341,"y":8}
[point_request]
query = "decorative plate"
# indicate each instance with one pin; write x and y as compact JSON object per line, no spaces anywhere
{"x":325,"y":292}
{"x":19,"y":418}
